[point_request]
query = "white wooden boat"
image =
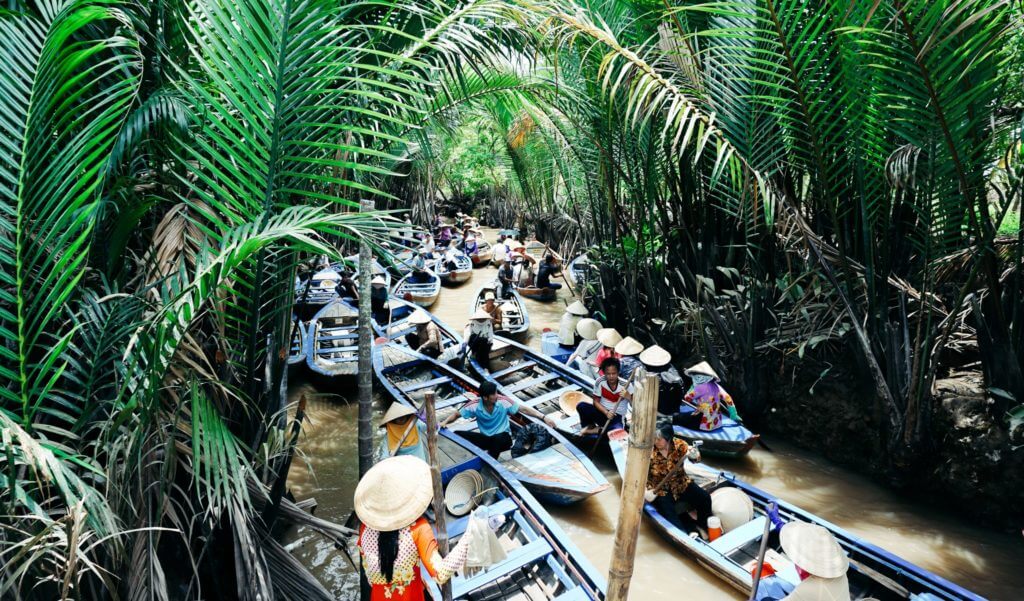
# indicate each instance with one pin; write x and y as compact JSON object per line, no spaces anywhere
{"x":515,"y":320}
{"x":423,"y":294}
{"x":332,"y":342}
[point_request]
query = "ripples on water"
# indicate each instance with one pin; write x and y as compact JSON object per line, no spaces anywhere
{"x":989,"y":563}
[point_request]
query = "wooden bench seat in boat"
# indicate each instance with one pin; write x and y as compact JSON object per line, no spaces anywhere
{"x":502,"y":507}
{"x":517,"y":558}
{"x":735,"y":539}
{"x":550,"y":396}
{"x":428,"y":384}
{"x":573,"y":594}
{"x":529,"y":382}
{"x":349,"y":336}
{"x":337,"y":349}
{"x":513,"y":369}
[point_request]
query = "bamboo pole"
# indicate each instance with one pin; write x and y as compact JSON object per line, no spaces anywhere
{"x":365,"y":427}
{"x":435,"y":475}
{"x":634,"y":482}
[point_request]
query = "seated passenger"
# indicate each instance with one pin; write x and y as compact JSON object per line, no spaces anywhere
{"x":494,"y":431}
{"x":679,"y":488}
{"x":582,"y":358}
{"x":426,"y":338}
{"x":707,"y":399}
{"x":611,"y":398}
{"x":628,"y":349}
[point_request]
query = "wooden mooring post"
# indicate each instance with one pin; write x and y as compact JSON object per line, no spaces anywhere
{"x":634,"y":483}
{"x":365,"y":426}
{"x":435,"y":475}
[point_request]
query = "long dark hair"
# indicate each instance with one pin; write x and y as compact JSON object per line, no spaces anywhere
{"x":387,"y":548}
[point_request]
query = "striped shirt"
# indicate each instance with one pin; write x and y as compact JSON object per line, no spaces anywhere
{"x":608,"y":396}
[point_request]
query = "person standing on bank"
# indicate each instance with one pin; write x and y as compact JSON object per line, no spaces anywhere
{"x":611,"y":400}
{"x":426,"y":338}
{"x":668,"y":452}
{"x":491,"y":412}
{"x":628,"y":351}
{"x":395,"y":537}
{"x":400,"y":439}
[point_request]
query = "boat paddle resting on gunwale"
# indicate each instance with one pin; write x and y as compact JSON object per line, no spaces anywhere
{"x":422,"y":293}
{"x":515,"y":321}
{"x":332,"y":340}
{"x":874,"y":573}
{"x":541,"y":563}
{"x":559,"y":474}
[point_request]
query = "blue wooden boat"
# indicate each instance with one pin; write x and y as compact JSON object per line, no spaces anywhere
{"x":399,"y":327}
{"x":515,"y":320}
{"x":319,"y":290}
{"x":873,"y":573}
{"x":559,"y":474}
{"x":297,"y":343}
{"x":332,"y":340}
{"x":732,"y":439}
{"x":462,"y":272}
{"x":542,"y":563}
{"x":550,"y":346}
{"x":423,"y":294}
{"x":535,"y":380}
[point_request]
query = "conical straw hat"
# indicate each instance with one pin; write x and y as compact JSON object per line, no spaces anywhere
{"x":732,"y":506}
{"x":702,"y":368}
{"x":460,"y":494}
{"x":609,"y":336}
{"x":378,"y":281}
{"x":814,"y":549}
{"x":577,"y":308}
{"x":419,"y":317}
{"x":394,"y":493}
{"x":655,"y":356}
{"x":629,"y":346}
{"x":480,"y":314}
{"x":588,"y":328}
{"x":395,"y":411}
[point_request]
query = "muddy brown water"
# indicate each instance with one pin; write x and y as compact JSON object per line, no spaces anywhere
{"x":988,"y":563}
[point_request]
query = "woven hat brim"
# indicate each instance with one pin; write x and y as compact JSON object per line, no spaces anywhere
{"x":394,"y":493}
{"x":703,"y":368}
{"x":419,"y":318}
{"x":395,"y":411}
{"x":480,"y":314}
{"x":655,"y":356}
{"x":588,"y":328}
{"x":732,"y":506}
{"x":813,"y":551}
{"x":609,"y":337}
{"x":629,"y":346}
{"x":577,"y":308}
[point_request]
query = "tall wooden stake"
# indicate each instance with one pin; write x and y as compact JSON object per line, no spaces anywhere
{"x":435,"y":475}
{"x":634,"y":482}
{"x":365,"y":349}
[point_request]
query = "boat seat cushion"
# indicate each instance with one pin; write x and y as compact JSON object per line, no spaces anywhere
{"x":738,"y":538}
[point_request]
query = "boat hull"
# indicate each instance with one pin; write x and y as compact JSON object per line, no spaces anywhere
{"x":424,"y":294}
{"x":544,"y":295}
{"x":332,"y":340}
{"x":516,"y":321}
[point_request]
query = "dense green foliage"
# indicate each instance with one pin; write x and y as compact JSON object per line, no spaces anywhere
{"x":761,"y":178}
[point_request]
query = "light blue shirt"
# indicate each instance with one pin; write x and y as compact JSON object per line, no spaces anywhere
{"x":494,"y":422}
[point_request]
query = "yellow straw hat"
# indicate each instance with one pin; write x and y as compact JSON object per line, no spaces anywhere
{"x":394,"y":493}
{"x":702,"y":368}
{"x":480,"y":314}
{"x":732,"y":506}
{"x":655,"y":356}
{"x":588,"y":328}
{"x":396,"y":411}
{"x":577,"y":308}
{"x":629,"y":346}
{"x":814,"y":549}
{"x":609,"y":336}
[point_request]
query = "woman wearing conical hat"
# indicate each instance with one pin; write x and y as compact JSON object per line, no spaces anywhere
{"x":819,"y":560}
{"x":628,"y":349}
{"x":479,"y":336}
{"x":582,"y":358}
{"x":708,"y":398}
{"x":567,"y":325}
{"x":608,"y":337}
{"x":405,"y":435}
{"x":426,"y":338}
{"x":395,"y":537}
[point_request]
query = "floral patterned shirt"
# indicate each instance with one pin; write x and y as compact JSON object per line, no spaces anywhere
{"x":415,"y":543}
{"x":709,"y":398}
{"x":661,"y":466}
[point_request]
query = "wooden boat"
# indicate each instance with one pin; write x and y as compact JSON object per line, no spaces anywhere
{"x":731,"y":439}
{"x":515,"y":320}
{"x":552,"y":347}
{"x":559,"y":474}
{"x":581,"y":271}
{"x":535,"y":380}
{"x":423,"y":294}
{"x":542,"y":563}
{"x":319,"y":290}
{"x":544,"y":295}
{"x":399,"y":326}
{"x":537,"y":250}
{"x":484,"y":253}
{"x":401,"y":261}
{"x":873,"y":572}
{"x":332,"y":341}
{"x":378,"y":270}
{"x":297,"y":343}
{"x":462,"y":272}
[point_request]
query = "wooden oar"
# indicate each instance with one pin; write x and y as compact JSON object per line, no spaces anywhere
{"x":606,"y":424}
{"x":675,"y":468}
{"x":760,"y":557}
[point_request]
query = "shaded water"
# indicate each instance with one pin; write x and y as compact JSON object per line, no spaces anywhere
{"x":988,"y":563}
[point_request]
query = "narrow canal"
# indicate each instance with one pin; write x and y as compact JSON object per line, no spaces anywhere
{"x":988,"y":563}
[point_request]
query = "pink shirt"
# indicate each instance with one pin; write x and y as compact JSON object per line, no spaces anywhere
{"x":603,"y":354}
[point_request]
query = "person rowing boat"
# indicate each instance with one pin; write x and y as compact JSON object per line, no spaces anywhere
{"x":707,"y":398}
{"x":671,"y":485}
{"x":611,"y":398}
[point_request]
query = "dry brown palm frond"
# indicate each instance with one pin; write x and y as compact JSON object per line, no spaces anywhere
{"x":176,"y":242}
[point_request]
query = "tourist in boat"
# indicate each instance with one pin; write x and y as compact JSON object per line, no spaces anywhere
{"x":819,"y":560}
{"x":608,"y":337}
{"x":506,"y":275}
{"x":427,"y":243}
{"x":401,"y":439}
{"x":582,"y":358}
{"x":658,"y":361}
{"x":444,"y":236}
{"x":493,"y":309}
{"x":346,"y":287}
{"x":707,"y":398}
{"x":667,"y":454}
{"x":395,"y":537}
{"x":427,"y":337}
{"x":574,"y":313}
{"x":469,"y":244}
{"x":523,"y":268}
{"x":479,"y":336}
{"x":547,"y":269}
{"x":628,"y":350}
{"x":419,"y":269}
{"x":611,"y":397}
{"x":491,"y":412}
{"x":501,"y":251}
{"x":379,"y":299}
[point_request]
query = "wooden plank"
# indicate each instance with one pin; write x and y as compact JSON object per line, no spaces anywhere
{"x":517,"y":558}
{"x":337,"y":349}
{"x":524,"y":384}
{"x":513,"y":369}
{"x":427,"y":384}
{"x":573,"y":594}
{"x":734,"y":539}
{"x":549,"y":396}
